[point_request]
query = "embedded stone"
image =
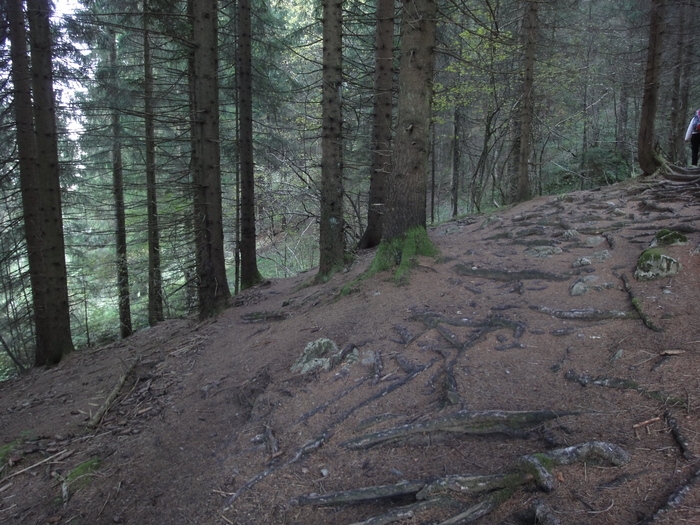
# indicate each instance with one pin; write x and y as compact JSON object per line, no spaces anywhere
{"x":669,"y":238}
{"x":653,"y":264}
{"x":315,"y":355}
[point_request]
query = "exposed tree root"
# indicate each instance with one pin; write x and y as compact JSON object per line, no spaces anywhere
{"x":508,"y":275}
{"x":623,"y":384}
{"x":462,"y":422}
{"x":678,"y":435}
{"x":586,"y":314}
{"x":316,"y":443}
{"x":676,"y":173}
{"x":674,"y":500}
{"x":408,"y":511}
{"x":636,"y":302}
{"x":489,"y":491}
{"x":362,"y":495}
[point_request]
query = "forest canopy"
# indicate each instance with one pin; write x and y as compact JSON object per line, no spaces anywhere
{"x":161,"y":156}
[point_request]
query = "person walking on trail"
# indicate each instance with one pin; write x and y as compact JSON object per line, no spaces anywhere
{"x":693,"y":136}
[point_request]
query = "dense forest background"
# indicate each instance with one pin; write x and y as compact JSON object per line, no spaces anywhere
{"x":133,"y":146}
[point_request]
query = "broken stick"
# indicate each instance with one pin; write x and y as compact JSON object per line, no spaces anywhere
{"x":97,"y":418}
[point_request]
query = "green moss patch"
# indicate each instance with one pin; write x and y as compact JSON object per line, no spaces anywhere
{"x":5,"y":452}
{"x":401,"y":253}
{"x":670,"y":238}
{"x":654,"y":264}
{"x":80,"y":475}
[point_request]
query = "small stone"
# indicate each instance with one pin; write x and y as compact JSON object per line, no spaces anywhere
{"x":595,"y":241}
{"x":570,"y":235}
{"x":582,"y":261}
{"x":578,"y":288}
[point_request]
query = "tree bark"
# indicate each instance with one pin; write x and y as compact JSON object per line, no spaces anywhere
{"x":677,"y":115}
{"x":211,"y":266}
{"x":649,"y":161}
{"x":527,"y":104}
{"x":407,"y":188}
{"x":123,"y":289}
{"x":249,"y":263}
{"x":382,"y":129}
{"x":331,"y":233}
{"x":37,"y":142}
{"x":155,"y":286}
{"x":456,"y":162}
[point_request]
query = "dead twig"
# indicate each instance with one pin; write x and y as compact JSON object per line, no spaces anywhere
{"x":97,"y":418}
{"x":647,"y":422}
{"x":58,"y":455}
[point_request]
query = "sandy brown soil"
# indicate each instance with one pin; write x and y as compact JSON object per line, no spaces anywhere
{"x":196,"y":423}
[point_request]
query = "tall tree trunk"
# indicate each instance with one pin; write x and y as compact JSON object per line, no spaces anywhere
{"x":331,"y":231}
{"x":687,"y":65}
{"x":26,"y":148}
{"x":406,"y":195}
{"x":123,"y":290}
{"x":648,"y":158}
{"x":249,"y":260}
{"x":155,"y":286}
{"x":527,"y":103}
{"x":211,"y":266}
{"x":456,"y":162}
{"x":677,"y":117}
{"x":41,"y":189}
{"x":381,"y":125}
{"x":622,"y":139}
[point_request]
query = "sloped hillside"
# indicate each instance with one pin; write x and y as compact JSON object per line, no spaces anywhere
{"x":524,"y":376}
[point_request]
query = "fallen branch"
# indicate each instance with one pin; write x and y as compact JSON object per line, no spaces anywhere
{"x":647,"y":422}
{"x":97,"y":417}
{"x":463,"y":422}
{"x":60,"y":455}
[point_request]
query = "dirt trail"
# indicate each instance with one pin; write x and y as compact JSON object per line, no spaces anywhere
{"x":211,"y":413}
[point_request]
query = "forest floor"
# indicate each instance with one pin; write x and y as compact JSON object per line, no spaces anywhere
{"x":208,"y":425}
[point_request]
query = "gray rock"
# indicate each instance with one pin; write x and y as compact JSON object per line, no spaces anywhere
{"x":314,"y":356}
{"x":653,"y":264}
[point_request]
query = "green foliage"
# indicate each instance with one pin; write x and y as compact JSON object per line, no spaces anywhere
{"x":80,"y":475}
{"x":402,"y":253}
{"x":5,"y":451}
{"x":605,"y":166}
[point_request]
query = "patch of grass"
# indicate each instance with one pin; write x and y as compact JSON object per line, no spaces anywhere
{"x":80,"y":475}
{"x":6,"y":450}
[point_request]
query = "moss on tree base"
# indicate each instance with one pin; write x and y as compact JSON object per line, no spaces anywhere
{"x":401,"y":252}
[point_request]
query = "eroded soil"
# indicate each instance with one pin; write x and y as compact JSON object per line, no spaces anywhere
{"x":211,"y":427}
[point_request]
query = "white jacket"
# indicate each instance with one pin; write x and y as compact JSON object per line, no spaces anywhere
{"x":691,"y":129}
